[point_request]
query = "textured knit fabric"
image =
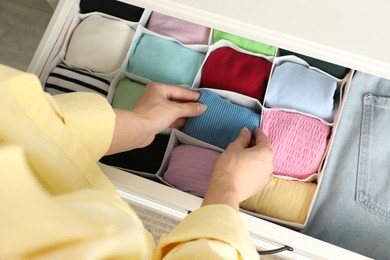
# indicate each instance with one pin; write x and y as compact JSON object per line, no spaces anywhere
{"x":297,"y":87}
{"x":244,"y":43}
{"x":298,"y":141}
{"x":183,"y":31}
{"x":222,"y":121}
{"x":126,"y":94}
{"x":190,"y":168}
{"x":333,"y":69}
{"x":283,"y":199}
{"x":147,"y":159}
{"x":64,"y":80}
{"x":99,"y":44}
{"x":164,"y":61}
{"x":226,"y":68}
{"x":112,"y":7}
{"x":66,"y":136}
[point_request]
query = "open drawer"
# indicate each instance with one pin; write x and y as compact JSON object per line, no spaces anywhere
{"x":246,"y":23}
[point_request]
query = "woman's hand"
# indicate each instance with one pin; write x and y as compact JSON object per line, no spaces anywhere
{"x":241,"y":171}
{"x":159,"y":107}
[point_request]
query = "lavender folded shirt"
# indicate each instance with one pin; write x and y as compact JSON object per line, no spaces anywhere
{"x":190,"y":168}
{"x":183,"y":31}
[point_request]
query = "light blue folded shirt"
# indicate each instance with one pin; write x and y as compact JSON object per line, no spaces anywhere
{"x":222,"y":122}
{"x":295,"y":86}
{"x":165,"y":61}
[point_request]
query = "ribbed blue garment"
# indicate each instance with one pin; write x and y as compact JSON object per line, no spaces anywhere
{"x":222,"y":121}
{"x":165,"y":61}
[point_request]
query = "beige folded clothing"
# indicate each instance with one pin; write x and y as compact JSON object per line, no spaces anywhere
{"x":283,"y":199}
{"x":99,"y":44}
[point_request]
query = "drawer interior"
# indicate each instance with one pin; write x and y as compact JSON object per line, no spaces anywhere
{"x":115,"y":52}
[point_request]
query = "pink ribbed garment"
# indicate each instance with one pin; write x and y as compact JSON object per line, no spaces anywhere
{"x":190,"y":168}
{"x":298,"y":141}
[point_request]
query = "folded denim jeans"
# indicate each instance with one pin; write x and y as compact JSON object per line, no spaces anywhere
{"x":352,"y":208}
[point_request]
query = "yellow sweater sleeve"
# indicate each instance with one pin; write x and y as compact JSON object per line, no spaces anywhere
{"x":89,"y":117}
{"x":211,"y":232}
{"x":84,"y":224}
{"x":62,"y":137}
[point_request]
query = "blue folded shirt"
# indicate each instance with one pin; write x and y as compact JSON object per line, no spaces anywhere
{"x":222,"y":122}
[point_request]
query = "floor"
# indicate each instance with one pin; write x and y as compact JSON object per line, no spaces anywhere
{"x":22,"y":25}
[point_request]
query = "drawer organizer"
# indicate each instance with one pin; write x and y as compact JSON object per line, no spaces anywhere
{"x":295,"y":99}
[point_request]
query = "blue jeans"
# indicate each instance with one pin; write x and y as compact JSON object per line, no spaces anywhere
{"x":352,"y":209}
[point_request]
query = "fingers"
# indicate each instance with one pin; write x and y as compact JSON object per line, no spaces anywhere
{"x":244,"y":138}
{"x":261,"y":139}
{"x":178,"y":123}
{"x":177,"y":93}
{"x":190,"y":109}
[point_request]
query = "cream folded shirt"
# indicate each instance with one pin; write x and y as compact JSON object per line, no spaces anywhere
{"x":55,"y":201}
{"x":99,"y":44}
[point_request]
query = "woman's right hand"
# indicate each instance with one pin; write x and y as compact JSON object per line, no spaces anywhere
{"x":241,"y":171}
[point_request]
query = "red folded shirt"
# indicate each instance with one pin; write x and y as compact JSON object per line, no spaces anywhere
{"x":228,"y":69}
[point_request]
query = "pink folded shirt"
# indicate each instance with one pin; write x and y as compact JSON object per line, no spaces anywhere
{"x":298,"y":141}
{"x":190,"y":168}
{"x":183,"y":31}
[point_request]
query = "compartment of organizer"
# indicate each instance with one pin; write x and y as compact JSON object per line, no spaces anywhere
{"x":227,"y":113}
{"x":90,"y":54}
{"x":231,"y":68}
{"x":163,"y":59}
{"x":146,"y":162}
{"x":335,"y":70}
{"x":189,"y":164}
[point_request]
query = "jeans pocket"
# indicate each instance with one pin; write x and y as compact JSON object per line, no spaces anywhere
{"x":373,"y":180}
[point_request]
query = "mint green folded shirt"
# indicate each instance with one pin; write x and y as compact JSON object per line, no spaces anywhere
{"x":244,"y":43}
{"x":126,"y":94}
{"x":165,"y":61}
